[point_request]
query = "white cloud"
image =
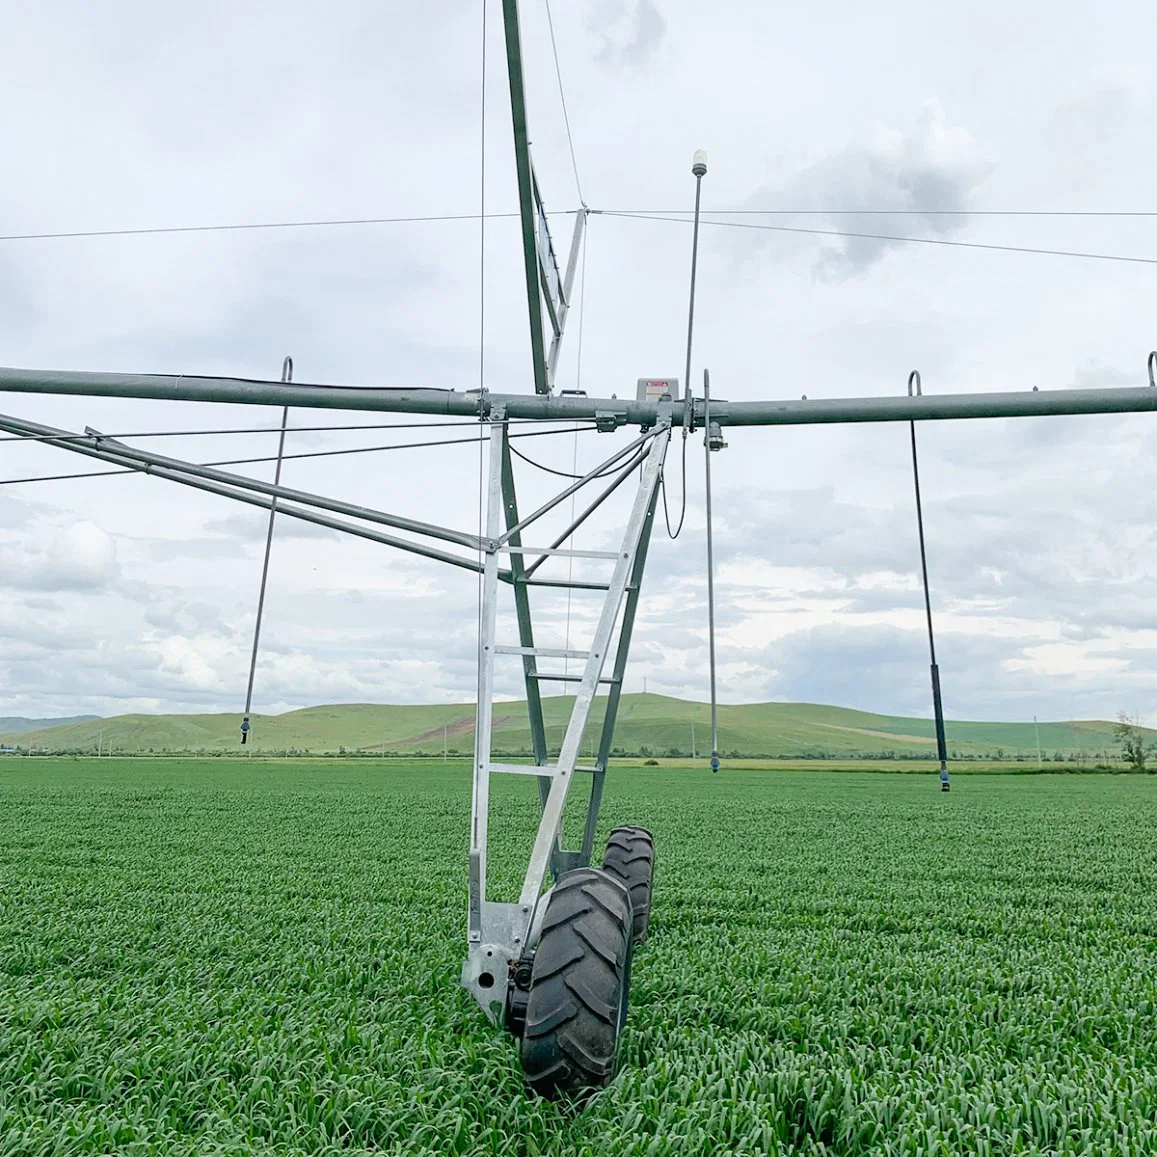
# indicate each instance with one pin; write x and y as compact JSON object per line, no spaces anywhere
{"x":1039,"y":532}
{"x":935,"y":166}
{"x":80,"y":557}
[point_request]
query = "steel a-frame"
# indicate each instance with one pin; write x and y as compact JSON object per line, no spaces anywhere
{"x":500,"y":934}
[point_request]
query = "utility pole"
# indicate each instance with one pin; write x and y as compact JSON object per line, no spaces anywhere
{"x":693,"y":753}
{"x":445,"y":741}
{"x":1039,"y":760}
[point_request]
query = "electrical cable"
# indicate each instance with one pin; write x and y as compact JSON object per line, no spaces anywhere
{"x":239,"y":227}
{"x":899,"y":212}
{"x":699,"y":169}
{"x":563,"y":473}
{"x":673,"y":534}
{"x":251,"y":225}
{"x":896,"y":237}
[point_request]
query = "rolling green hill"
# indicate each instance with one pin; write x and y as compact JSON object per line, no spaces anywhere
{"x":14,"y":724}
{"x":647,"y":725}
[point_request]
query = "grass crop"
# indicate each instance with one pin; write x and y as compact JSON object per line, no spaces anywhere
{"x":261,"y":958}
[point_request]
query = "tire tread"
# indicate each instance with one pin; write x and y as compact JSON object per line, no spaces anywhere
{"x":575,"y":1010}
{"x":630,"y":858}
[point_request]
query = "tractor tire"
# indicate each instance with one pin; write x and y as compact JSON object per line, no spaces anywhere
{"x":579,"y":986}
{"x":630,"y":858}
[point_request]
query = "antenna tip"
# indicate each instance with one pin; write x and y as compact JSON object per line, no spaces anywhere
{"x":699,"y":163}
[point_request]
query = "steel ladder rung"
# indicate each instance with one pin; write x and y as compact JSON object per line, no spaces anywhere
{"x":542,"y":652}
{"x":546,"y":769}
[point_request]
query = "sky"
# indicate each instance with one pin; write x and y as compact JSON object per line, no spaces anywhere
{"x":130,"y":594}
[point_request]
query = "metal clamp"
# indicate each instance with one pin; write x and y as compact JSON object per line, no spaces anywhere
{"x":1153,"y":367}
{"x":914,"y":380}
{"x":608,"y":421}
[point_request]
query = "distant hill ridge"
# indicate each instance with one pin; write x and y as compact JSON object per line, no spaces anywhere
{"x":15,"y":724}
{"x":647,"y":725}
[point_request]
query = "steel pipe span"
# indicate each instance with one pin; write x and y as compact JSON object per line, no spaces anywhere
{"x":624,"y":411}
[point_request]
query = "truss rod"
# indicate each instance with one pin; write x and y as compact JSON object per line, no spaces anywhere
{"x":97,"y":445}
{"x":251,"y":499}
{"x":1023,"y":404}
{"x":618,"y":456}
{"x":619,"y":479}
{"x":591,"y":677}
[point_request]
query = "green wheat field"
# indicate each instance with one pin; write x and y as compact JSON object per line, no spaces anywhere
{"x":262,"y":957}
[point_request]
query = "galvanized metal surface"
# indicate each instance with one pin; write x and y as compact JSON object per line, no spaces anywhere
{"x":796,"y":412}
{"x":497,"y":946}
{"x":98,"y":446}
{"x":600,"y":644}
{"x":187,"y":474}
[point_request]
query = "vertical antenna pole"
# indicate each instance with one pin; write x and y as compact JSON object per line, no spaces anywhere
{"x":699,"y":169}
{"x":937,"y":707}
{"x":286,"y":376}
{"x":707,"y":443}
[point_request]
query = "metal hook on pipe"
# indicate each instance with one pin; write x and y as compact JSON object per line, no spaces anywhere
{"x":914,"y":389}
{"x":1153,"y":367}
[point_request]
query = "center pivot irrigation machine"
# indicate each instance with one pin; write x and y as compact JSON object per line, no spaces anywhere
{"x":553,"y":966}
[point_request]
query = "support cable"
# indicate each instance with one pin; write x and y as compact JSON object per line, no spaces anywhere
{"x":286,"y":376}
{"x":565,"y":116}
{"x":262,"y":430}
{"x":895,"y":237}
{"x":86,"y":439}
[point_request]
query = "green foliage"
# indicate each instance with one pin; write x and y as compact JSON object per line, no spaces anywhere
{"x":221,"y":957}
{"x":1135,"y":751}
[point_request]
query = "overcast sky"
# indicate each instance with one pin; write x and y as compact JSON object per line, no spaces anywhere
{"x":131,"y":594}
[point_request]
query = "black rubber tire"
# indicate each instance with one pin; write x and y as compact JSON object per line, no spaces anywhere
{"x":630,"y":858}
{"x":579,"y":986}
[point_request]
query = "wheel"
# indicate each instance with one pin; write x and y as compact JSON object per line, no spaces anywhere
{"x":630,"y":858}
{"x":578,"y":986}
